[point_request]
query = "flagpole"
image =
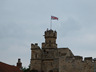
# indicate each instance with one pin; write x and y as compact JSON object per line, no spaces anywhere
{"x":50,"y":24}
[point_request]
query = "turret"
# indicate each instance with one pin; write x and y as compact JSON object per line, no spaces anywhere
{"x":36,"y":51}
{"x":50,"y":39}
{"x":35,"y":63}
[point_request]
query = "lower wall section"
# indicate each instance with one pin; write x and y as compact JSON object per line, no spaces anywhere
{"x":35,"y":65}
{"x":76,"y":65}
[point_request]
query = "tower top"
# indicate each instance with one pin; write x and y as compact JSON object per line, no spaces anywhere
{"x":50,"y":34}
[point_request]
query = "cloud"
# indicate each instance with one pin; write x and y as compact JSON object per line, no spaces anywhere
{"x":69,"y":27}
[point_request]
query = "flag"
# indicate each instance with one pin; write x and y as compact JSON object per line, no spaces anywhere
{"x":54,"y":18}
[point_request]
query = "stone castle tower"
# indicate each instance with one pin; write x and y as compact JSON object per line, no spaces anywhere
{"x":49,"y":58}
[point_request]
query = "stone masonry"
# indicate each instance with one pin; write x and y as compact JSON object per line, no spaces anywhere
{"x":49,"y":58}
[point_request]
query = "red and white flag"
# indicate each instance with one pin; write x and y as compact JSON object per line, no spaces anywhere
{"x":54,"y":18}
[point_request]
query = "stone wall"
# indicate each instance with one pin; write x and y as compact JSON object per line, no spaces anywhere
{"x":72,"y":64}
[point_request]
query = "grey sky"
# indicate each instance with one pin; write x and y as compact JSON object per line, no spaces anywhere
{"x":23,"y":22}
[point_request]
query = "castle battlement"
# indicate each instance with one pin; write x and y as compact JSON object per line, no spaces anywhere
{"x":35,"y":46}
{"x":86,"y":59}
{"x":78,"y":58}
{"x":50,"y":34}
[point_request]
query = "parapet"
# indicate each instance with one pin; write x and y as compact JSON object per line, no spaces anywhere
{"x":50,"y":34}
{"x":88,"y":59}
{"x":43,"y":45}
{"x":35,"y":46}
{"x":65,"y":52}
{"x":78,"y":58}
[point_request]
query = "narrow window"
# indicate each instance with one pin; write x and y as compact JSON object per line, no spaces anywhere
{"x":49,"y":41}
{"x":35,"y":55}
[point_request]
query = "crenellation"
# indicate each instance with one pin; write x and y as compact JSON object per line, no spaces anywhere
{"x":88,"y":59}
{"x":43,"y":45}
{"x":51,"y":34}
{"x":35,"y":46}
{"x":80,"y":58}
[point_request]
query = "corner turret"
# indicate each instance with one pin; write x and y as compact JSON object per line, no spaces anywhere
{"x":35,"y":57}
{"x":35,"y":46}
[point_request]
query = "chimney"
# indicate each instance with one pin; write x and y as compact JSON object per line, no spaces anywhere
{"x":19,"y":64}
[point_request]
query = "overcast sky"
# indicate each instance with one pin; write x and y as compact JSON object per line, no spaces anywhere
{"x":23,"y":22}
